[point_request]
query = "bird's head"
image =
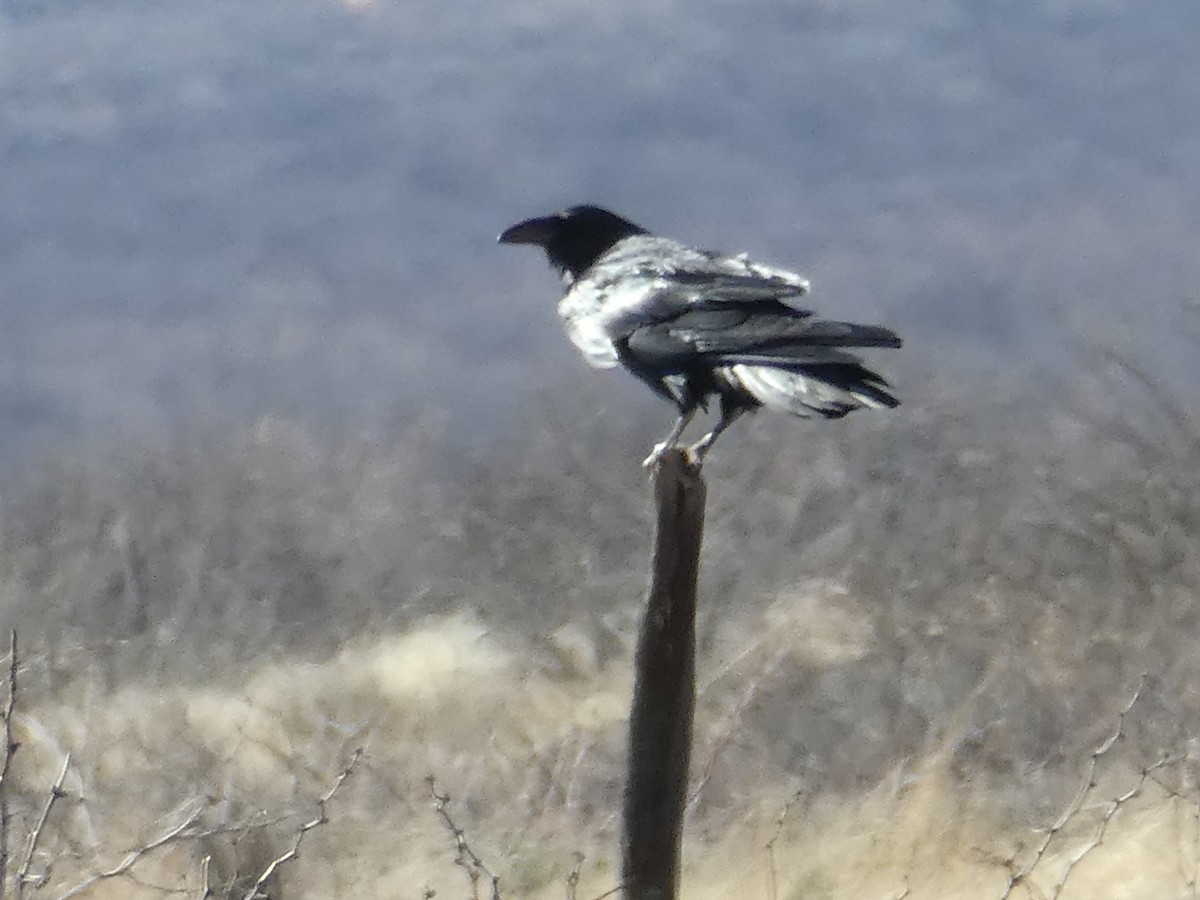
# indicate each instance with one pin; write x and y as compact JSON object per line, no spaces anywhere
{"x":574,"y":238}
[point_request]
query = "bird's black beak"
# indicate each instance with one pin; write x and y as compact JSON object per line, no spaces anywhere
{"x":531,"y":231}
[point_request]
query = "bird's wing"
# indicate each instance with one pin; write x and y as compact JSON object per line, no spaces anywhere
{"x":704,"y":288}
{"x":681,"y":275}
{"x":788,"y":362}
{"x":644,"y":281}
{"x":740,"y":334}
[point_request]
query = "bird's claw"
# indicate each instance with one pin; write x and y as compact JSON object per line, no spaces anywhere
{"x":655,"y":455}
{"x":691,"y":458}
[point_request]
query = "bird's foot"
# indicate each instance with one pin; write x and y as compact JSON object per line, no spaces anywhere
{"x":691,"y":459}
{"x":655,"y":455}
{"x":698,"y":451}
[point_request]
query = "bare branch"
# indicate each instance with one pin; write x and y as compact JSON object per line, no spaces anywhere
{"x":56,"y":793}
{"x":1110,"y":810}
{"x":206,"y":890}
{"x":731,"y":726}
{"x":466,"y":858}
{"x":177,"y":833}
{"x":10,"y":749}
{"x":770,"y":845}
{"x":1087,"y":785}
{"x":320,"y":819}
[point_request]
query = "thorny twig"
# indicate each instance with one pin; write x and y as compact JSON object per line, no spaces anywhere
{"x":320,"y":819}
{"x":186,"y":830}
{"x":573,"y":881}
{"x":174,"y":834}
{"x":1111,"y":809}
{"x":466,"y":858}
{"x":1087,"y":785}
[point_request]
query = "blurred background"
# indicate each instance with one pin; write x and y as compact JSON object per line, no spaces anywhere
{"x":271,"y":394}
{"x":214,"y":211}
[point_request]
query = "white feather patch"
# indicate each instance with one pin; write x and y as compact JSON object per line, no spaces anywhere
{"x":794,"y":392}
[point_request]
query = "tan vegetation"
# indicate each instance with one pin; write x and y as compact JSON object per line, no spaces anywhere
{"x":915,"y":635}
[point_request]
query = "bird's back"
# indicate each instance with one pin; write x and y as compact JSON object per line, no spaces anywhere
{"x":645,"y":279}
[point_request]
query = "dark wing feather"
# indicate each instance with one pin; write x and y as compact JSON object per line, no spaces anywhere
{"x":703,"y":287}
{"x":724,"y":336}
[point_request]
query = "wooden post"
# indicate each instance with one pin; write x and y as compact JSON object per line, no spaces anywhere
{"x":664,"y":688}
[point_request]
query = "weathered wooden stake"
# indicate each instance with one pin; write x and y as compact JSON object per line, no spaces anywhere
{"x":664,"y":688}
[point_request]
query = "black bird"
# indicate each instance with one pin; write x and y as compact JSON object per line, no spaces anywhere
{"x":693,"y":323}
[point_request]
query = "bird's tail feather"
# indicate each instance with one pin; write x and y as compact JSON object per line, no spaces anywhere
{"x":829,"y":390}
{"x":825,"y":333}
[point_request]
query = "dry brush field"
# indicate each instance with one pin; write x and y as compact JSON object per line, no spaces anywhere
{"x":921,"y":640}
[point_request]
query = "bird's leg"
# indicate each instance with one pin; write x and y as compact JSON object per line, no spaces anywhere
{"x":729,"y":414}
{"x":671,"y":439}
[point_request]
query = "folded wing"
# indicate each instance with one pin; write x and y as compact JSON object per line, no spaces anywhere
{"x":777,"y":357}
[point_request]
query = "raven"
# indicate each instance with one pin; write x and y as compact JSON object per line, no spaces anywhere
{"x":693,"y":323}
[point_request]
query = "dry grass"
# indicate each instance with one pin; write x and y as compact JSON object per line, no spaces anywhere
{"x":917,"y":627}
{"x":532,"y":760}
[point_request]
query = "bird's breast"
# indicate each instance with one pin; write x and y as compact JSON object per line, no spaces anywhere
{"x":597,"y":316}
